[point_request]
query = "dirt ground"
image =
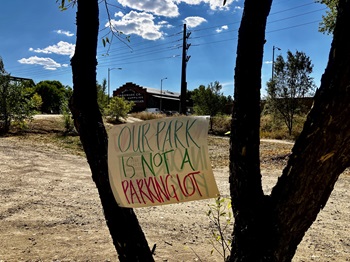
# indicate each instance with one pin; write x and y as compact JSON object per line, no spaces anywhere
{"x":50,"y":210}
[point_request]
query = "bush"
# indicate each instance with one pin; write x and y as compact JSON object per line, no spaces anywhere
{"x":147,"y":115}
{"x":274,"y":128}
{"x":15,"y":107}
{"x":118,"y":108}
{"x":221,"y":124}
{"x":68,"y":122}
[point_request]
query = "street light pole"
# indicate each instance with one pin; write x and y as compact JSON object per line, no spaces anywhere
{"x":161,"y":92}
{"x":109,"y":70}
{"x":273,"y":59}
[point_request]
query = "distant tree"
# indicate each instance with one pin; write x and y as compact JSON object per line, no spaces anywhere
{"x":328,"y":21}
{"x":118,"y":107}
{"x":35,"y":98}
{"x":68,"y":93}
{"x":15,"y":105}
{"x":102,"y":97}
{"x":209,"y":100}
{"x":189,"y":101}
{"x":53,"y":95}
{"x":36,"y":102}
{"x":291,"y":82}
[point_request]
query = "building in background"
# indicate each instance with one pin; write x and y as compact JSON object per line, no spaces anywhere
{"x":18,"y":80}
{"x":146,"y":97}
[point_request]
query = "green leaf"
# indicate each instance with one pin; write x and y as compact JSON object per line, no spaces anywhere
{"x":223,"y":214}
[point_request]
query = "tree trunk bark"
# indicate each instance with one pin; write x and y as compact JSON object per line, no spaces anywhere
{"x":322,"y":151}
{"x":269,"y":228}
{"x":127,"y":235}
{"x":250,"y":206}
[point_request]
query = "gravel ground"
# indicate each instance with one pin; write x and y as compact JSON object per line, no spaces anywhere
{"x":50,"y":209}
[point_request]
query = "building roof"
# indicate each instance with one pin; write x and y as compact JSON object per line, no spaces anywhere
{"x":151,"y":90}
{"x":164,"y":92}
{"x":20,"y":79}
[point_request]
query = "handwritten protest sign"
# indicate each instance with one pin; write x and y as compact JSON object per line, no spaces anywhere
{"x":161,"y":161}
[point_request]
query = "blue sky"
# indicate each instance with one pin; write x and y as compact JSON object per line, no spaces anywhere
{"x":38,"y":40}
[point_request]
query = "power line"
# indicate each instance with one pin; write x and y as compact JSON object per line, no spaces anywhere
{"x":149,"y":60}
{"x":141,"y":52}
{"x":148,"y":48}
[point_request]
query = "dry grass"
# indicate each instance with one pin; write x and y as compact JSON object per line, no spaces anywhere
{"x":276,"y":129}
{"x":49,"y":130}
{"x":221,"y":124}
{"x":147,"y":115}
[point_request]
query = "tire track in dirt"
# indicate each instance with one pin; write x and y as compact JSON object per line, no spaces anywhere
{"x":50,"y":211}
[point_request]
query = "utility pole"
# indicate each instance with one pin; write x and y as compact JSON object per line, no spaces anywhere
{"x":109,"y":70}
{"x":161,"y":92}
{"x":185,"y":59}
{"x":273,"y":59}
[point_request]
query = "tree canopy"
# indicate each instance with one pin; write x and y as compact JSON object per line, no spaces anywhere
{"x":53,"y":95}
{"x":327,"y":24}
{"x":16,"y":105}
{"x":291,"y":83}
{"x":209,"y":100}
{"x":118,"y":107}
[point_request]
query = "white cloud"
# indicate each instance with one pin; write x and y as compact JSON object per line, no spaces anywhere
{"x":218,"y":4}
{"x":141,"y":24}
{"x":189,"y":2}
{"x":62,"y":48}
{"x":119,"y":14}
{"x":237,"y":9}
{"x":219,"y":30}
{"x":165,"y":24}
{"x":214,"y":4}
{"x":46,"y":62}
{"x":62,"y":32}
{"x":194,"y":21}
{"x":157,"y":7}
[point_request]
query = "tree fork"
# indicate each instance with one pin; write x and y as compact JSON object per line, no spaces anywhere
{"x":269,"y":228}
{"x":322,"y":151}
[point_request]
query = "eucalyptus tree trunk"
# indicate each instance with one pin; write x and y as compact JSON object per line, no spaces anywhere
{"x":127,"y":235}
{"x":269,"y":228}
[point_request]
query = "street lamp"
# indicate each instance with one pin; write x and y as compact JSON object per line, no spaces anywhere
{"x":161,"y":92}
{"x":109,"y":70}
{"x":273,"y":58}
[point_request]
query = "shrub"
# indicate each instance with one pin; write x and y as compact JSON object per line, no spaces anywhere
{"x":274,"y":128}
{"x":221,"y":124}
{"x":118,"y":108}
{"x":220,"y":216}
{"x":67,"y":119}
{"x":147,"y":115}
